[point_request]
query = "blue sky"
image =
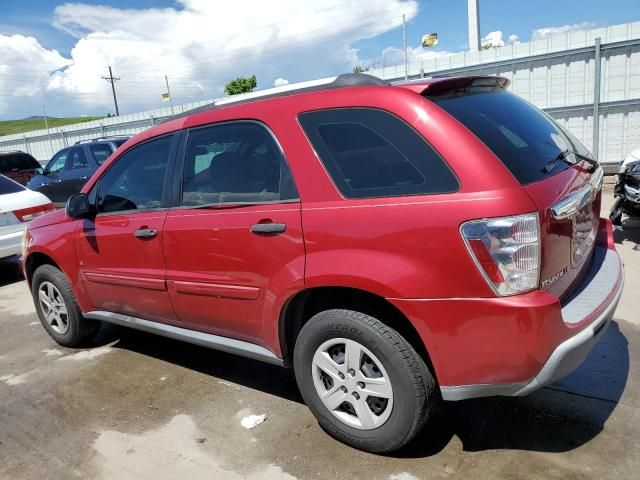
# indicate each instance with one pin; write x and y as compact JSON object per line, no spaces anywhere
{"x":54,"y":54}
{"x":447,"y":17}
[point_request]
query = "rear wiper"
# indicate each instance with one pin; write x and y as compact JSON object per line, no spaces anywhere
{"x":562,"y":157}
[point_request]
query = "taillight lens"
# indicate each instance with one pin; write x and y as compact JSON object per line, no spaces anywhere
{"x":27,"y":214}
{"x":506,"y":250}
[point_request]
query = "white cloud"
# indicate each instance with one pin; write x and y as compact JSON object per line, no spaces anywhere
{"x":199,"y":44}
{"x":279,"y":82}
{"x":548,"y":31}
{"x":495,"y":39}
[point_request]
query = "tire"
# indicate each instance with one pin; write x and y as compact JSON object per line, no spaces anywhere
{"x":66,"y":325}
{"x":383,"y":355}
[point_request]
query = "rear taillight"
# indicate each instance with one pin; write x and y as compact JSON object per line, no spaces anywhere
{"x":27,"y":214}
{"x":506,"y":250}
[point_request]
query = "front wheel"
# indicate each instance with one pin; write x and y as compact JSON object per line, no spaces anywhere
{"x":363,"y":381}
{"x":58,"y":309}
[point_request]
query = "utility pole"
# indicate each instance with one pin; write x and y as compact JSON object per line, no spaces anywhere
{"x":473,"y":11}
{"x":169,"y":93}
{"x":112,"y":80}
{"x":46,"y":124}
{"x":404,"y":46}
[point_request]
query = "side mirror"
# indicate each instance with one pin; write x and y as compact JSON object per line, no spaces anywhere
{"x":78,"y":206}
{"x":39,"y":171}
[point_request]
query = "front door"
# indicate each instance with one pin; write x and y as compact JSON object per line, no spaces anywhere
{"x":120,"y":252}
{"x":74,"y":175}
{"x":233,"y":247}
{"x":51,"y":179}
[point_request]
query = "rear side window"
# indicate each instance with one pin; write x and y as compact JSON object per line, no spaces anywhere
{"x":17,"y":161}
{"x":521,"y":136}
{"x":9,"y":186}
{"x":100,"y":152}
{"x":372,"y":153}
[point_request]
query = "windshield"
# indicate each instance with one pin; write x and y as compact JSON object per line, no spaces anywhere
{"x":9,"y":186}
{"x":524,"y":138}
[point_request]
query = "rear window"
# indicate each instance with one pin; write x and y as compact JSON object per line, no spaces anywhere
{"x":17,"y":161}
{"x":9,"y":186}
{"x":372,"y":153}
{"x":521,"y":136}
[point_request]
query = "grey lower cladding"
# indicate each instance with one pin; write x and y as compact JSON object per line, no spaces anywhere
{"x":567,"y":356}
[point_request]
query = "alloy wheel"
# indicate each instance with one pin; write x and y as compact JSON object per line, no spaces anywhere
{"x":53,"y":307}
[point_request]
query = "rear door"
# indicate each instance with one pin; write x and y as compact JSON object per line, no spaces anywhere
{"x":120,"y":251}
{"x":233,"y":244}
{"x":547,"y":160}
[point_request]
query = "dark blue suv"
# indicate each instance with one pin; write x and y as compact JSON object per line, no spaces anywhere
{"x":70,"y":168}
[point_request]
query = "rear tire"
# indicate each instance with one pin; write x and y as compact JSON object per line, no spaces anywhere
{"x":58,"y":309}
{"x":366,"y":384}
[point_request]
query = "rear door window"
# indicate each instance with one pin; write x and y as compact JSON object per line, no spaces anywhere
{"x":372,"y":153}
{"x":524,"y":138}
{"x":100,"y":152}
{"x":235,"y":162}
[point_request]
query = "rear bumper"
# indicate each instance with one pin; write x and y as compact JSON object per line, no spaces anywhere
{"x":515,"y":345}
{"x":11,"y":243}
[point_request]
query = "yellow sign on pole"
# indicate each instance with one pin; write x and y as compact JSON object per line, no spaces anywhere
{"x":166,"y":97}
{"x":430,"y":40}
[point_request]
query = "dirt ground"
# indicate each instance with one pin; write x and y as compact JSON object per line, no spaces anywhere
{"x":138,"y":406}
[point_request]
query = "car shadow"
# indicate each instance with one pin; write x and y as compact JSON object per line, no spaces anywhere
{"x":558,"y":418}
{"x":225,"y":366}
{"x":629,"y":232}
{"x":10,"y":271}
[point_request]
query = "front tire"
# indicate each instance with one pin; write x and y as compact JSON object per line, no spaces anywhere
{"x":366,"y":385}
{"x":58,"y":309}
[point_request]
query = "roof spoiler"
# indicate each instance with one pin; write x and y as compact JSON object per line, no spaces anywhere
{"x":447,"y":85}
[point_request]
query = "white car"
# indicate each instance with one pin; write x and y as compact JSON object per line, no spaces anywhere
{"x":18,"y":205}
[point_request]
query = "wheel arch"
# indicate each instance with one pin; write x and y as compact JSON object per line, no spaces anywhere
{"x":302,"y":306}
{"x":35,"y":260}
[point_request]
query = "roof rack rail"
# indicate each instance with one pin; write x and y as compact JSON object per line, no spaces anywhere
{"x":98,"y":139}
{"x":344,"y":80}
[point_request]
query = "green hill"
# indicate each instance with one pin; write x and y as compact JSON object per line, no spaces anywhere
{"x":9,"y":127}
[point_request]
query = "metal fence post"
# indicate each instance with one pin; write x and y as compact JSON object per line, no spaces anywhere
{"x":102,"y":131}
{"x":597,"y":76}
{"x":64,"y":138}
{"x":153,"y":120}
{"x":26,"y":144}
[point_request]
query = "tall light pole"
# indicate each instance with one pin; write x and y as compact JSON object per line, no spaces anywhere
{"x":473,"y":11}
{"x":46,"y":124}
{"x":404,"y":47}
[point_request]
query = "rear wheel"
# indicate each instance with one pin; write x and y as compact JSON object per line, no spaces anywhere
{"x":362,"y":380}
{"x":57,"y":308}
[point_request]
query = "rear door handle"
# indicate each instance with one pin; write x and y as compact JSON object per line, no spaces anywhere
{"x":145,"y":233}
{"x":268,"y":228}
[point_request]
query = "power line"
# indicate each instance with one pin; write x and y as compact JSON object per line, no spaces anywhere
{"x":113,"y":81}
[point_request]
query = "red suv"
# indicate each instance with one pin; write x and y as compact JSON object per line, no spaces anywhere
{"x":394,"y":244}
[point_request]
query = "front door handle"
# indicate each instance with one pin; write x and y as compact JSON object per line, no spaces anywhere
{"x":145,"y":233}
{"x":268,"y":228}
